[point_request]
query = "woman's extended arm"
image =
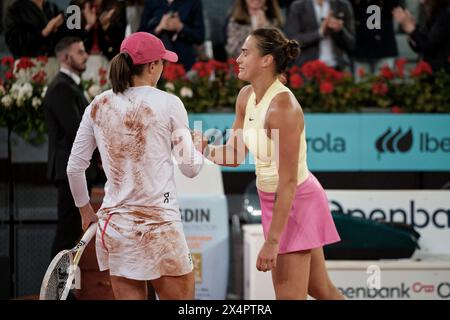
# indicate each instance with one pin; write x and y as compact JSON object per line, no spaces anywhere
{"x":233,"y":153}
{"x":285,"y":122}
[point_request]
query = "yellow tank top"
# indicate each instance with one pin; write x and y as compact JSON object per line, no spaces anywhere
{"x":262,"y":147}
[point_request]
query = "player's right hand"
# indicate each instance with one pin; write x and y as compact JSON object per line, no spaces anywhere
{"x":88,"y":216}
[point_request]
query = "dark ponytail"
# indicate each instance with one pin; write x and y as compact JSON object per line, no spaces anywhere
{"x":121,"y":72}
{"x":272,"y":41}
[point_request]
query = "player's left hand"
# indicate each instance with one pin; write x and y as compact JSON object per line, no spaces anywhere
{"x":267,"y":257}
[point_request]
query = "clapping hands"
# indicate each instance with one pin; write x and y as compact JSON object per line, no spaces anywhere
{"x":405,"y":19}
{"x":170,"y":22}
{"x":53,"y":25}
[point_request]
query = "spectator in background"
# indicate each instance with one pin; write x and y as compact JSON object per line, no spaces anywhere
{"x":178,"y":23}
{"x":216,"y":25}
{"x":285,"y":5}
{"x":134,"y":10}
{"x":33,"y":27}
{"x":249,"y":15}
{"x":374,"y":48}
{"x":64,"y":104}
{"x":432,"y":40}
{"x":102,"y":27}
{"x":324,"y":29}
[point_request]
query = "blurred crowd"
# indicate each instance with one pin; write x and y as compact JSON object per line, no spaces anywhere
{"x":344,"y":34}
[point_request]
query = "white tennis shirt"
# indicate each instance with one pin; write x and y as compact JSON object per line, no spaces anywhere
{"x":137,"y":134}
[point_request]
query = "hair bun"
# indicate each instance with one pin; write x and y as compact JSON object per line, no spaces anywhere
{"x":292,"y":49}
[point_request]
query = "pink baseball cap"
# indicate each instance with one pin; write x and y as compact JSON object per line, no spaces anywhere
{"x":144,"y":47}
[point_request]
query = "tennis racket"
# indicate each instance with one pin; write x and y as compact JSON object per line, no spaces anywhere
{"x":60,"y":273}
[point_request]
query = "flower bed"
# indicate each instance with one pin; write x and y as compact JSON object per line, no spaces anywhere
{"x":21,"y":92}
{"x":213,"y":86}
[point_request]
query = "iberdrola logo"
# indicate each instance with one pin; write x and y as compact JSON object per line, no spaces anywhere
{"x":394,"y":141}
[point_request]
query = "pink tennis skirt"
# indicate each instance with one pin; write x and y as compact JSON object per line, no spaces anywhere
{"x":310,"y":224}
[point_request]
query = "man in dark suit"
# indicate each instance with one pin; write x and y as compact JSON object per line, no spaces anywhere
{"x":64,"y":105}
{"x":325,"y":30}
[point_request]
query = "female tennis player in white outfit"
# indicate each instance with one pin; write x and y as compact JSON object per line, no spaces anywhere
{"x":137,"y":128}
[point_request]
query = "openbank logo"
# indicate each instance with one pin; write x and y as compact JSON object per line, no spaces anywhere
{"x":411,"y":213}
{"x":401,"y":291}
{"x":394,"y":141}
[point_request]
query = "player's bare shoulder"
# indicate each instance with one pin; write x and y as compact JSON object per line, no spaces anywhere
{"x":286,"y":104}
{"x":242,"y":98}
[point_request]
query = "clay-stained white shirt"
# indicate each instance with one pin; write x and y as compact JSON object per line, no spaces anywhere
{"x":137,"y":133}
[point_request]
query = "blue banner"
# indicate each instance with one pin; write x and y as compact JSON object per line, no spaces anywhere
{"x":362,"y":142}
{"x":405,"y":143}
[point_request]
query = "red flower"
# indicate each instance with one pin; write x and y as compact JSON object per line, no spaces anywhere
{"x":314,"y":69}
{"x":9,"y":75}
{"x":386,"y":72}
{"x":25,"y":63}
{"x":43,"y":59}
{"x":396,"y":109}
{"x":400,"y":66}
{"x":173,"y":71}
{"x":361,"y":72}
{"x":294,"y":69}
{"x":203,"y":69}
{"x":308,"y":70}
{"x":421,"y":68}
{"x":235,"y":66}
{"x":335,"y":75}
{"x":8,"y":61}
{"x":379,"y":88}
{"x":102,"y":81}
{"x":296,"y":81}
{"x":40,"y":77}
{"x":326,"y":87}
{"x":219,"y":66}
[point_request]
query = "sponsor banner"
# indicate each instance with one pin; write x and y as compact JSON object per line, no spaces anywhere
{"x":205,"y":223}
{"x":361,"y":142}
{"x":403,"y":279}
{"x":408,"y":281}
{"x":427,"y":211}
{"x":405,"y":143}
{"x":336,"y":142}
{"x":333,"y":142}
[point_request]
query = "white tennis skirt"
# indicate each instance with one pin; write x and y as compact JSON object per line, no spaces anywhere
{"x":131,"y":246}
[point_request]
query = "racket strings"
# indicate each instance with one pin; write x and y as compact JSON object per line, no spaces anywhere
{"x":58,"y":278}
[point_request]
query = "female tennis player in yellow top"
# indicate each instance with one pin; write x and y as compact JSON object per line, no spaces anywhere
{"x":269,"y":122}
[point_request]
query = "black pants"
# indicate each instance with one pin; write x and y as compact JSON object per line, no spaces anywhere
{"x":68,"y":231}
